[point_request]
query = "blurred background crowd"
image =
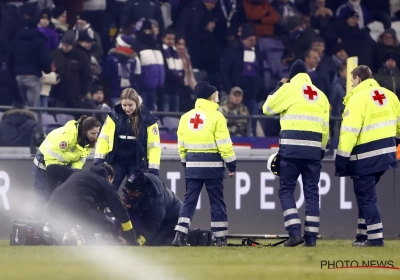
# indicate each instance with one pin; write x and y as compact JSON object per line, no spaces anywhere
{"x":83,"y":53}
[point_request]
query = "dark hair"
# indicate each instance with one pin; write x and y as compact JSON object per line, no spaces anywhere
{"x":109,"y":169}
{"x":308,"y":51}
{"x":363,"y":72}
{"x":85,"y":124}
{"x":179,"y":37}
{"x":168,"y":32}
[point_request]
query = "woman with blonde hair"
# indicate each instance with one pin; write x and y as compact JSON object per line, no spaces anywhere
{"x":129,"y":138}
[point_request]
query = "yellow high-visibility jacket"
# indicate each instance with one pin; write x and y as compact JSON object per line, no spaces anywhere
{"x":204,"y":143}
{"x":61,"y":147}
{"x":367,"y":142}
{"x":147,"y":145}
{"x":304,"y":111}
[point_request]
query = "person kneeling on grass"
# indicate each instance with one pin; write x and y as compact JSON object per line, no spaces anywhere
{"x":76,"y":200}
{"x":152,"y":207}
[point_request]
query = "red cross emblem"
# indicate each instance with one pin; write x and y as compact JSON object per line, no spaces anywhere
{"x":197,"y":121}
{"x":378,"y":97}
{"x":63,"y":145}
{"x":310,"y":94}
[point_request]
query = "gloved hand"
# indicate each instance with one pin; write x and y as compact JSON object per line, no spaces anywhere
{"x":130,"y":237}
{"x":154,"y":171}
{"x":322,"y":154}
{"x":184,"y":164}
{"x":98,"y":161}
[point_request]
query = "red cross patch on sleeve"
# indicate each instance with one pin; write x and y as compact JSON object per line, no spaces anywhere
{"x":63,"y":145}
{"x":155,"y":130}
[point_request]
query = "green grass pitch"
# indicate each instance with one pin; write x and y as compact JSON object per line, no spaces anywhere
{"x":167,"y":263}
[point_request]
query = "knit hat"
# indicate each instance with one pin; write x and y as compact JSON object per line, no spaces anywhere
{"x":390,"y":55}
{"x":146,"y":25}
{"x":57,"y":12}
{"x":84,"y":37}
{"x":68,"y":38}
{"x":95,"y":88}
{"x":84,"y":15}
{"x":125,"y":40}
{"x":390,"y":31}
{"x":45,"y":13}
{"x":297,"y":67}
{"x":136,"y":181}
{"x":247,"y":31}
{"x":338,"y":47}
{"x":349,"y":14}
{"x":204,"y":90}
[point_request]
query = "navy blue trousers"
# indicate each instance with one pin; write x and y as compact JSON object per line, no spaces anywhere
{"x":369,"y":218}
{"x":290,"y":169}
{"x":215,"y":190}
{"x":121,"y":171}
{"x":41,"y":191}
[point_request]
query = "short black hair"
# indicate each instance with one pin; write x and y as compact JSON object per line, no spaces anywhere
{"x":308,"y":51}
{"x":362,"y":71}
{"x":168,"y":32}
{"x":109,"y":169}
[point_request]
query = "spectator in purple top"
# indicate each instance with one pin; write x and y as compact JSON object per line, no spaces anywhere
{"x":50,"y":33}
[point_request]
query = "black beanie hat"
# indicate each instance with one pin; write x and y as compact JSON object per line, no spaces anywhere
{"x":57,"y":12}
{"x":136,"y":181}
{"x":146,"y":25}
{"x":247,"y":31}
{"x":297,"y":67}
{"x":84,"y":15}
{"x":204,"y":90}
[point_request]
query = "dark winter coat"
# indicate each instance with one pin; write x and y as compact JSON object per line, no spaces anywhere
{"x":82,"y":190}
{"x":75,"y":74}
{"x":134,"y":10}
{"x":146,"y":119}
{"x":17,"y":128}
{"x":231,"y":72}
{"x":29,"y":54}
{"x":352,"y":38}
{"x":380,"y":53}
{"x":389,"y":79}
{"x":119,"y":64}
{"x":188,"y":25}
{"x":210,"y":52}
{"x":157,"y":206}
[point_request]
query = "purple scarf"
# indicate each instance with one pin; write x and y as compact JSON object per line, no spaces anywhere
{"x":174,"y":63}
{"x":250,"y":65}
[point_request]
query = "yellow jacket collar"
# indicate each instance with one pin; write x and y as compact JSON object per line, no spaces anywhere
{"x":368,"y":83}
{"x":206,"y":104}
{"x":301,"y":78}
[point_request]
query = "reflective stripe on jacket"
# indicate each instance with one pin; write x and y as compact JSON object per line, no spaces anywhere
{"x":367,"y":142}
{"x":204,"y":143}
{"x":61,"y":147}
{"x":304,"y":111}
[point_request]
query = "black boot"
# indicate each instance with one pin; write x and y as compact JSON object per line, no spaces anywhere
{"x":180,"y":239}
{"x":220,"y":241}
{"x":310,"y":244}
{"x":294,"y":241}
{"x":367,"y":244}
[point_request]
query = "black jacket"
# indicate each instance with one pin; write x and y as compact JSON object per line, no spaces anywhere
{"x":146,"y":119}
{"x":75,"y":74}
{"x":82,"y":190}
{"x":29,"y":54}
{"x":17,"y":128}
{"x":232,"y":69}
{"x":157,"y":206}
{"x":134,"y":10}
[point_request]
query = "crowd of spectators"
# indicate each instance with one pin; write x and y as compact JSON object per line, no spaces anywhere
{"x":83,"y":53}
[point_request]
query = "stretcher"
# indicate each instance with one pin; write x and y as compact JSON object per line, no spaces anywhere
{"x":252,"y":239}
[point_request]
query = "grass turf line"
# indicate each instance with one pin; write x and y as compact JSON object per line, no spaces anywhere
{"x":233,"y":263}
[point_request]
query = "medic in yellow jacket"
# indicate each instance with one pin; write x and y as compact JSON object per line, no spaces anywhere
{"x":129,"y":138}
{"x":304,"y":111}
{"x":69,"y":145}
{"x":367,"y":142}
